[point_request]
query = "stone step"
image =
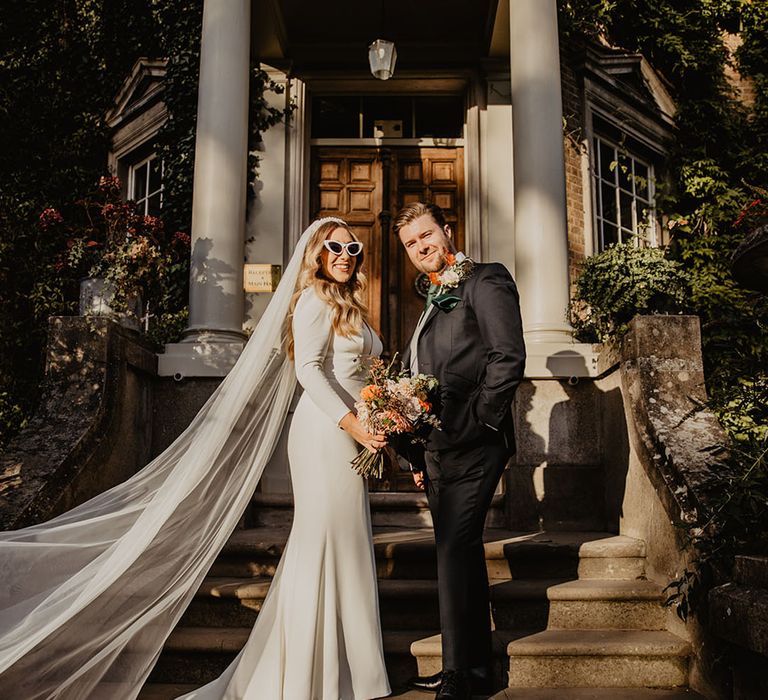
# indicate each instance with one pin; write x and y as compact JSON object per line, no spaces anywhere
{"x":226,"y":602}
{"x":429,"y":654}
{"x":387,"y":509}
{"x":597,"y":694}
{"x":233,"y":602}
{"x":410,"y":553}
{"x":197,"y":655}
{"x":598,"y":658}
{"x":408,"y":603}
{"x":236,"y":602}
{"x":170,"y":691}
{"x":566,"y":555}
{"x":580,"y":604}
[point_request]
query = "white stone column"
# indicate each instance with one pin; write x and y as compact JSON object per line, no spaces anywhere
{"x":541,"y":242}
{"x":214,"y":337}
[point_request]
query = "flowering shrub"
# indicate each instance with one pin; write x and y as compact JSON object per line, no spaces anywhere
{"x":108,"y":238}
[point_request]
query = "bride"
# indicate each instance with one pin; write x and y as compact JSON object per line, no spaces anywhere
{"x":88,"y":598}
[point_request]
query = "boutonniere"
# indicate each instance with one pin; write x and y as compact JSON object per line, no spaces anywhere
{"x":459,"y":268}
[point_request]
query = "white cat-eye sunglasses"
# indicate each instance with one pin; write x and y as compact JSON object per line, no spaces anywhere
{"x":353,"y":248}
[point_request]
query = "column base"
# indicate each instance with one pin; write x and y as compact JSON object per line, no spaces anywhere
{"x":200,"y":358}
{"x":546,"y":360}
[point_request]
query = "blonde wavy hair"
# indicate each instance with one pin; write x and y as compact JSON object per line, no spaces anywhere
{"x":348,"y":309}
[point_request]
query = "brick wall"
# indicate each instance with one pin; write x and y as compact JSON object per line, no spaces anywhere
{"x":573,"y":111}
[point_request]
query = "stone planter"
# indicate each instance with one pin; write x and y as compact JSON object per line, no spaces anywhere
{"x":96,"y":297}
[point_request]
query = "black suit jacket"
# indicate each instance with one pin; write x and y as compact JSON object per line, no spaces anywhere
{"x":476,"y":351}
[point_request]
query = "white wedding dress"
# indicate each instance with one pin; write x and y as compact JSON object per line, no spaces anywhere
{"x":89,"y":597}
{"x":318,"y":634}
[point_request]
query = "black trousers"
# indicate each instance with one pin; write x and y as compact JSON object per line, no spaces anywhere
{"x":460,"y":486}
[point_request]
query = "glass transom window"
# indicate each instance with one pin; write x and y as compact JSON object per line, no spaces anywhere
{"x":387,"y":116}
{"x":145,"y":185}
{"x":623,"y":195}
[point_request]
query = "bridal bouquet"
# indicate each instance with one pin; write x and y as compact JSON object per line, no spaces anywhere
{"x":392,"y":403}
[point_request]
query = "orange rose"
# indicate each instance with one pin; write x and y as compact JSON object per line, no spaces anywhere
{"x":434,"y":278}
{"x":425,"y":406}
{"x":370,"y":392}
{"x":450,"y":258}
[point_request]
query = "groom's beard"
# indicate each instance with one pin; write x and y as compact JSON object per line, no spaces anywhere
{"x":435,"y":263}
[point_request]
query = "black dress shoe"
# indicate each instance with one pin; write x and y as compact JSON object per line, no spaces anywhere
{"x":454,"y":686}
{"x":429,"y":684}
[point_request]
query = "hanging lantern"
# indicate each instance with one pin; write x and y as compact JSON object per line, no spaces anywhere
{"x":382,"y":56}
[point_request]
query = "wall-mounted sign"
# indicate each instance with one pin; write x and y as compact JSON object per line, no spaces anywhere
{"x":261,"y":277}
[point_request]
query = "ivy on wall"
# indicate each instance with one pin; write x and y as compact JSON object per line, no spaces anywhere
{"x":61,"y":64}
{"x":180,"y":26}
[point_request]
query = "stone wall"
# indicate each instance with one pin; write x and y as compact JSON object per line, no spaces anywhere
{"x":174,"y":405}
{"x":93,"y":427}
{"x":664,"y":475}
{"x":556,"y":481}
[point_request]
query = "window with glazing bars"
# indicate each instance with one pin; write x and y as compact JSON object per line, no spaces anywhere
{"x":145,"y":185}
{"x":624,"y":197}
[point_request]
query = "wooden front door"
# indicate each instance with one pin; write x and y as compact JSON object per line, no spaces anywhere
{"x":367,"y":186}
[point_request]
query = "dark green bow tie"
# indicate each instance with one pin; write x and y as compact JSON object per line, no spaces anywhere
{"x":432,"y":292}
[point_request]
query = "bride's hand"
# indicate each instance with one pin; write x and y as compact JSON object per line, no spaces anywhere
{"x":355,"y":428}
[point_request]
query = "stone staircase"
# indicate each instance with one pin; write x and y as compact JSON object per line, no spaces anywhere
{"x":575,"y":617}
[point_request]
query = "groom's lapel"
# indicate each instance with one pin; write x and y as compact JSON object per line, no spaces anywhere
{"x":431,"y":314}
{"x":420,"y":325}
{"x":435,"y":312}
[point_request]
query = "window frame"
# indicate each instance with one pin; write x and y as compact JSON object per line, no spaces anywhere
{"x":600,"y":121}
{"x":363,"y":117}
{"x":143,"y":201}
{"x":651,"y":238}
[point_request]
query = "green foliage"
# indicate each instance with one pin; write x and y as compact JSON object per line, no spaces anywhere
{"x":180,"y":26}
{"x":12,"y":418}
{"x":717,"y":174}
{"x":61,"y":65}
{"x":52,"y":148}
{"x":620,"y":283}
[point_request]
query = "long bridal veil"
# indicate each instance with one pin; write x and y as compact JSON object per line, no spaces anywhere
{"x":88,"y":598}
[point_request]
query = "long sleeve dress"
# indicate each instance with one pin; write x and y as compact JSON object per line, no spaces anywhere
{"x":318,"y":634}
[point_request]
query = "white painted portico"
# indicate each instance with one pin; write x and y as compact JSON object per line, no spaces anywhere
{"x":514,"y":199}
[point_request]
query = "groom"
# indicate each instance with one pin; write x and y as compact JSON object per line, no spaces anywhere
{"x":470,"y":337}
